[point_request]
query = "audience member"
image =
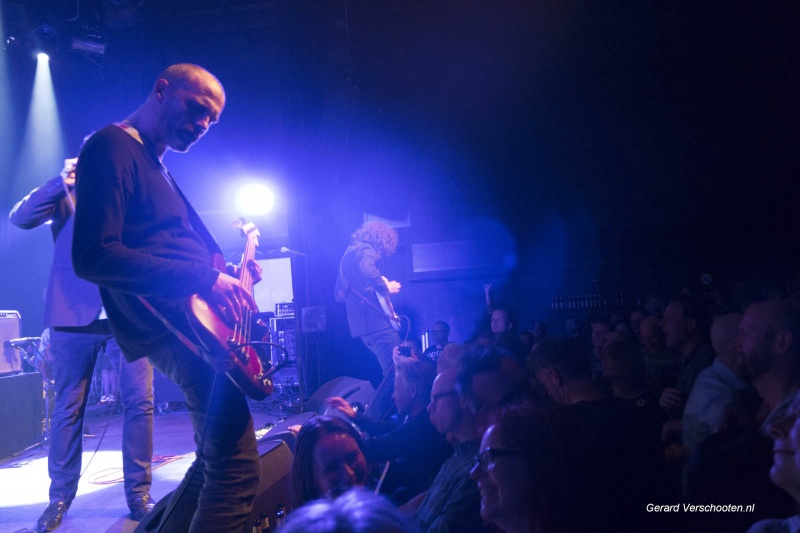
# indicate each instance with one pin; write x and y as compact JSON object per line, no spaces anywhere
{"x":453,"y":501}
{"x":659,"y":361}
{"x":355,"y":511}
{"x":785,"y":471}
{"x":731,"y":468}
{"x":623,"y":367}
{"x":439,"y":334}
{"x":624,"y":329}
{"x":451,"y":357}
{"x":503,"y":335}
{"x":328,"y":460}
{"x":654,"y":305}
{"x":532,"y":473}
{"x":769,"y":338}
{"x":566,"y":377}
{"x":600,"y":326}
{"x":526,"y":342}
{"x":636,"y":317}
{"x":572,"y":328}
{"x":685,"y":329}
{"x":539,"y":331}
{"x":720,"y":397}
{"x":416,"y":449}
{"x":491,"y":377}
{"x":627,"y":451}
{"x":615,"y":318}
{"x":532,"y":334}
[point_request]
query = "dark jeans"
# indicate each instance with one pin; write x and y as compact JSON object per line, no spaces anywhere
{"x":74,"y":356}
{"x":381,"y":343}
{"x":218,"y":490}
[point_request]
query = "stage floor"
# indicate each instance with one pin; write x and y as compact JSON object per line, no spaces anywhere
{"x":100,"y":503}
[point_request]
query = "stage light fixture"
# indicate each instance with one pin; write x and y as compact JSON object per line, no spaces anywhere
{"x":90,"y":46}
{"x":44,"y":31}
{"x":42,"y":56}
{"x":43,"y":39}
{"x":254,"y":199}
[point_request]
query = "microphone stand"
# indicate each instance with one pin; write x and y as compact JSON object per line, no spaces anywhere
{"x":298,"y":314}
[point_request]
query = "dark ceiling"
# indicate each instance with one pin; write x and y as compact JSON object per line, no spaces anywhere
{"x":649,"y":131}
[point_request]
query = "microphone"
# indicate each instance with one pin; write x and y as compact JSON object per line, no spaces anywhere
{"x":285,"y":250}
{"x":22,"y":341}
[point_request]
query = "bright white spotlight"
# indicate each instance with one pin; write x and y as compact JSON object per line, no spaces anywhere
{"x":42,"y":56}
{"x":254,"y":199}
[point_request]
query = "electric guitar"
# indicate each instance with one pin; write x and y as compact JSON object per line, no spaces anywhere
{"x":228,"y":345}
{"x":388,"y":308}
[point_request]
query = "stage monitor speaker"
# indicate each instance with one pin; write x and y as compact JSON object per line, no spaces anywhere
{"x":9,"y":329}
{"x":275,"y":485}
{"x":165,"y":390}
{"x":357,"y":392}
{"x":280,"y":431}
{"x":20,"y":412}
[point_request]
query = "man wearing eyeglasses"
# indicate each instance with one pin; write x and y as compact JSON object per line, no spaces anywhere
{"x":453,"y":501}
{"x":439,"y":337}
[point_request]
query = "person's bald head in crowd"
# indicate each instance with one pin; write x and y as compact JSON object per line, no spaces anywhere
{"x":650,"y":335}
{"x":723,"y":334}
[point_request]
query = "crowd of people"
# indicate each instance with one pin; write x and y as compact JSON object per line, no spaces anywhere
{"x":675,"y":420}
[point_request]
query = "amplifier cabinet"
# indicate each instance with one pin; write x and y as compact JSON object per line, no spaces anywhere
{"x":21,"y":412}
{"x":9,"y":329}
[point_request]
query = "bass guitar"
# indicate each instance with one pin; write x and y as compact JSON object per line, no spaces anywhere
{"x":232,"y":348}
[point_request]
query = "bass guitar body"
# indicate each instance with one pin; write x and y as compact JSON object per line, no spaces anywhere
{"x":234,"y":348}
{"x":227,"y":349}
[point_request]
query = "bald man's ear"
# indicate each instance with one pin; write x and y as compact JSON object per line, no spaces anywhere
{"x":159,"y":88}
{"x":414,"y":389}
{"x":552,"y":375}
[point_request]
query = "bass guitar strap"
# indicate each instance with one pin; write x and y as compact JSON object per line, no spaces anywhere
{"x":197,"y":226}
{"x":196,"y":349}
{"x":213,"y":248}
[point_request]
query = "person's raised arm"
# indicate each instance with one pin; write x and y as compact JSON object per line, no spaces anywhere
{"x":40,"y":204}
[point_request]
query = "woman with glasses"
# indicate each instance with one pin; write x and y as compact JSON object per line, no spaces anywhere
{"x":531,"y":470}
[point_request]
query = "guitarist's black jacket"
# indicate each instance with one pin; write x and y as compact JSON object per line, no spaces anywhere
{"x":358,"y":273}
{"x":134,"y":236}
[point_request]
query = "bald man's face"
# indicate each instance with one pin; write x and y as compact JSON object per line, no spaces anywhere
{"x":650,"y":335}
{"x":755,"y":340}
{"x":444,"y":408}
{"x":500,"y":321}
{"x":190,"y":106}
